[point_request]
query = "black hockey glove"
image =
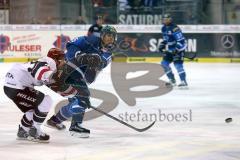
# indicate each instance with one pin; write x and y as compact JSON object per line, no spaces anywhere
{"x":174,"y":52}
{"x":92,"y":61}
{"x":94,"y":64}
{"x":162,"y":47}
{"x":85,"y":102}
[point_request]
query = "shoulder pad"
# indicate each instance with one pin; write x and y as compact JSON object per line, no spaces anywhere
{"x":163,"y":28}
{"x":176,"y":28}
{"x":92,"y":39}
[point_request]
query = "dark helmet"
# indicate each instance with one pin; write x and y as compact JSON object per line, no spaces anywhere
{"x":98,"y":17}
{"x":108,"y":30}
{"x":167,"y":17}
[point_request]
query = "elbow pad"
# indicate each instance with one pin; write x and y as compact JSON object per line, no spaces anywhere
{"x":47,"y":76}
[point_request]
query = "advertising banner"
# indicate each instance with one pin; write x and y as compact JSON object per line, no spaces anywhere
{"x":34,"y":41}
{"x":203,"y":44}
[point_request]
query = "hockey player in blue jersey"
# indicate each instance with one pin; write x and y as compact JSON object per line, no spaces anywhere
{"x":173,"y":47}
{"x":85,"y":57}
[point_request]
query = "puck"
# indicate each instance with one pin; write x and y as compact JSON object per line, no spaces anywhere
{"x":228,"y":120}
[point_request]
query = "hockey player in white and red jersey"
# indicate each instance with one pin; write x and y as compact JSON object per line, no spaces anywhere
{"x":19,"y":87}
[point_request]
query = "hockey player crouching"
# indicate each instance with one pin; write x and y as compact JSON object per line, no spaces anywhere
{"x":19,"y":87}
{"x":86,"y":56}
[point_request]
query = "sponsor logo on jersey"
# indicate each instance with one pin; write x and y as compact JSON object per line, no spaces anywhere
{"x":96,"y":28}
{"x":25,"y":104}
{"x":24,"y":96}
{"x":11,"y":84}
{"x":9,"y":75}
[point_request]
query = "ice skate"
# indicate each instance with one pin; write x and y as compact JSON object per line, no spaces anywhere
{"x":183,"y":85}
{"x":172,"y":83}
{"x":38,"y":136}
{"x":53,"y":122}
{"x":22,"y":134}
{"x":77,"y":131}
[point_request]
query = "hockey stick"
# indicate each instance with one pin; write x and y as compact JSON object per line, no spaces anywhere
{"x":124,"y":123}
{"x":190,"y":56}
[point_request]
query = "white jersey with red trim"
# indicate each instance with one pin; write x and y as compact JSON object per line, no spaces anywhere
{"x":31,"y":74}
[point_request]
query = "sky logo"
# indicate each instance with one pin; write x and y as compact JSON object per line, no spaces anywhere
{"x":61,"y":41}
{"x":4,"y":43}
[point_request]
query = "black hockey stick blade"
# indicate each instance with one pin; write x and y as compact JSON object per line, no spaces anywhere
{"x":190,"y":56}
{"x":124,"y":123}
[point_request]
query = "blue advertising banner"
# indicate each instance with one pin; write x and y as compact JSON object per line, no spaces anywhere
{"x":203,"y":44}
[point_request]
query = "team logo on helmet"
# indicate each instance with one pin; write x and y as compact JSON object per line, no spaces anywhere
{"x":4,"y":43}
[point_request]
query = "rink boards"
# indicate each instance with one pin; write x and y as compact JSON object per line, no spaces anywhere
{"x":211,"y":43}
{"x":144,"y":59}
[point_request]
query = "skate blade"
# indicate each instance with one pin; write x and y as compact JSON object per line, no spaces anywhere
{"x":53,"y":127}
{"x":170,"y":85}
{"x":183,"y":87}
{"x":32,"y":139}
{"x":79,"y":135}
{"x":21,"y":139}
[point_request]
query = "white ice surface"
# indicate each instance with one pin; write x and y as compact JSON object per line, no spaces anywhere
{"x":213,"y":95}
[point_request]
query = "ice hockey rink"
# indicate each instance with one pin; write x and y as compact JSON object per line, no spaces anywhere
{"x":213,"y":96}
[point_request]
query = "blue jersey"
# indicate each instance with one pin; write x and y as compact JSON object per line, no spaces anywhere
{"x":173,"y":38}
{"x":87,"y":44}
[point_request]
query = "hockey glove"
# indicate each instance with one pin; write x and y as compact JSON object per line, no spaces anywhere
{"x":93,"y":61}
{"x":174,"y":52}
{"x":162,"y":47}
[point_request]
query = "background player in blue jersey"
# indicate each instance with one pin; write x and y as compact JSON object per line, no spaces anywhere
{"x":85,"y":57}
{"x":173,"y":47}
{"x":96,"y":28}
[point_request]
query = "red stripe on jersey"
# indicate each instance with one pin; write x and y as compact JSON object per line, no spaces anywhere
{"x":41,"y":73}
{"x":70,"y":92}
